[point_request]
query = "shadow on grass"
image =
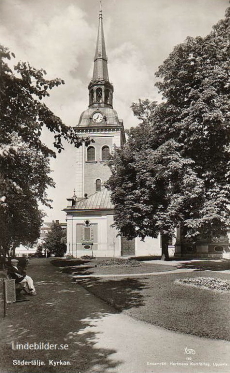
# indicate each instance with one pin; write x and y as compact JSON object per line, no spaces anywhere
{"x":78,"y":271}
{"x":206,"y":265}
{"x":67,"y":262}
{"x":122,"y":294}
{"x":62,"y":313}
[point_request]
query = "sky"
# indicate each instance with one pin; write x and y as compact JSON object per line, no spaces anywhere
{"x":60,"y":37}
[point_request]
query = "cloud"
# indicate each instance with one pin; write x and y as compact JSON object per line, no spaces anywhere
{"x":131,"y":78}
{"x":59,"y":42}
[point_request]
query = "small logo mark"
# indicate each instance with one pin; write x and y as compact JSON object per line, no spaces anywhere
{"x":189,"y":351}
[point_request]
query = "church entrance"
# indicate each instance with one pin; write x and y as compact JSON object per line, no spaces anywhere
{"x":127,"y":247}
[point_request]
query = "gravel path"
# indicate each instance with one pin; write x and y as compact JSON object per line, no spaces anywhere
{"x":144,"y":348}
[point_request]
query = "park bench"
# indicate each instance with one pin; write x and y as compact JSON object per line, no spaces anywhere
{"x":15,"y":290}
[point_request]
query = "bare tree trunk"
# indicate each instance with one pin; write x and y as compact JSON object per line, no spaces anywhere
{"x":165,"y":246}
{"x":6,"y":251}
{"x":13,"y":251}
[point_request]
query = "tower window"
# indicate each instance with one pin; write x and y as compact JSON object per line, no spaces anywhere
{"x":99,"y":95}
{"x":107,"y":96}
{"x":98,"y":185}
{"x":91,"y":97}
{"x":105,"y":153}
{"x":90,"y":154}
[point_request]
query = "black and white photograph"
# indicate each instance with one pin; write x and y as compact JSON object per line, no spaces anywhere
{"x":115,"y":186}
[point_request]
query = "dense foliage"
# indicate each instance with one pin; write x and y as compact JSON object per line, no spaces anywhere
{"x":24,"y":158}
{"x":175,"y":167}
{"x":55,"y":241}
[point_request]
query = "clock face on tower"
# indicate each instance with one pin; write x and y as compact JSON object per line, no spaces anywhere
{"x":97,"y":117}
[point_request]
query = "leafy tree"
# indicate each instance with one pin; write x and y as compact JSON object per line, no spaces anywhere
{"x":22,"y":109}
{"x":24,"y":158}
{"x":39,"y":251}
{"x":55,"y":241}
{"x":25,"y":174}
{"x":175,"y":166}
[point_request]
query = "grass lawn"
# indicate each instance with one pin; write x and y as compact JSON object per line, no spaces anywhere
{"x":107,"y":266}
{"x":161,"y":301}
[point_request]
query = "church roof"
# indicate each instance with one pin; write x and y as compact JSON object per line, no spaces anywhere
{"x":97,"y":201}
{"x":110,"y":115}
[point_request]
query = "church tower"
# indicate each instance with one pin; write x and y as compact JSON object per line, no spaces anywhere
{"x":90,"y":213}
{"x":100,"y":122}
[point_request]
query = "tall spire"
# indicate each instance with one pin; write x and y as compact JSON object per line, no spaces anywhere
{"x":100,"y":88}
{"x":100,"y":71}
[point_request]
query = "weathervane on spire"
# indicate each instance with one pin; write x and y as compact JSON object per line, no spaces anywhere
{"x":100,"y":13}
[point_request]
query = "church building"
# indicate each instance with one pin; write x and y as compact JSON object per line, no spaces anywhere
{"x":90,"y":213}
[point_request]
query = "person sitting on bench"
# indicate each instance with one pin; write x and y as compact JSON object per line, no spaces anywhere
{"x":20,"y":278}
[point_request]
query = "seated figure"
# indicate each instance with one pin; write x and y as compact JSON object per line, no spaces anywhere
{"x":21,"y":277}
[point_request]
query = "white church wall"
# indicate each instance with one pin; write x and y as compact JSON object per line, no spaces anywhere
{"x":150,"y":246}
{"x":107,"y":245}
{"x":226,"y":254}
{"x":114,"y":241}
{"x":80,"y":171}
{"x":117,"y":139}
{"x":71,"y":243}
{"x":94,"y":171}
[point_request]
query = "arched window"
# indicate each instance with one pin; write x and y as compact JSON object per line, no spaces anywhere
{"x":90,"y":154}
{"x":98,"y":185}
{"x":107,"y":96}
{"x":99,"y":95}
{"x":105,"y":153}
{"x":91,"y":97}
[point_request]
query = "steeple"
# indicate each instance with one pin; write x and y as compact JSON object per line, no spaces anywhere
{"x":100,"y":71}
{"x":100,"y":89}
